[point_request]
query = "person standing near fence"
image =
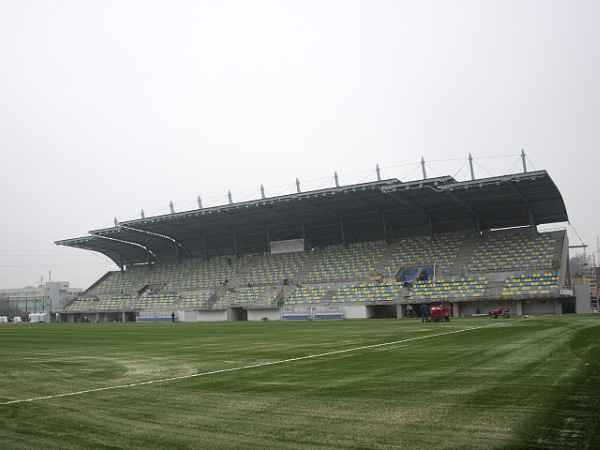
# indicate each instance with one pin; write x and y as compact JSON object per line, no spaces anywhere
{"x":424,"y":312}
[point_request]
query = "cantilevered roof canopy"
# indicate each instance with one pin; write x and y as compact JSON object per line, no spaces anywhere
{"x":381,"y":210}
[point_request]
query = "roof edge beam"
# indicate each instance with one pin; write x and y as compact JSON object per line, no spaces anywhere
{"x":119,"y":263}
{"x":159,"y":235}
{"x":150,"y":252}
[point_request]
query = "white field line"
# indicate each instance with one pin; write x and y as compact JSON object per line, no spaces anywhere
{"x":250,"y":366}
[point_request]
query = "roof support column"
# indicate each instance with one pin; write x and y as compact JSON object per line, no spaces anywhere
{"x":304,"y":243}
{"x":237,"y":253}
{"x":430,"y":225}
{"x":385,"y":237}
{"x":343,"y":233}
{"x":268,"y":238}
{"x":205,"y":248}
{"x":532,"y":222}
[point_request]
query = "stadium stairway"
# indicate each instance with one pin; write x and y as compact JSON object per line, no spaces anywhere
{"x":385,"y":261}
{"x":215,"y":301}
{"x":462,"y":259}
{"x":329,"y":296}
{"x":98,"y":282}
{"x":239,"y":276}
{"x":316,"y":256}
{"x":244,"y":297}
{"x":495,"y":284}
{"x":287,"y":292}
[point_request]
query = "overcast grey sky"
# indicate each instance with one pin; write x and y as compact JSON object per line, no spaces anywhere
{"x":109,"y":107}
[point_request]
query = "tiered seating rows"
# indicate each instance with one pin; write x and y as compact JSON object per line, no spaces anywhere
{"x":118,"y":303}
{"x":199,"y":274}
{"x":531,"y":284}
{"x":368,"y":292}
{"x":197,"y":300}
{"x":308,"y":295}
{"x":275,"y":268}
{"x":348,"y":263}
{"x":512,"y":250}
{"x":83,"y":304}
{"x":335,"y":263}
{"x":252,"y":295}
{"x":188,"y":274}
{"x":503,"y":251}
{"x":419,"y":251}
{"x":154,"y":302}
{"x":452,"y":288}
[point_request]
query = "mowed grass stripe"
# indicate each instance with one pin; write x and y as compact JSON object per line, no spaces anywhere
{"x":43,"y":358}
{"x":508,"y":386}
{"x":238,"y":368}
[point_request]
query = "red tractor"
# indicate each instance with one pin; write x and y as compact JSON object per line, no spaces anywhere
{"x":440,"y":313}
{"x":500,"y":312}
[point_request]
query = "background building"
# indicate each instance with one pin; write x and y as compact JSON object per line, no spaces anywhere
{"x":47,"y":298}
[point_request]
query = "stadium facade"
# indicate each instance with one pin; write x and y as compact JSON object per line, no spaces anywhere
{"x":369,"y":250}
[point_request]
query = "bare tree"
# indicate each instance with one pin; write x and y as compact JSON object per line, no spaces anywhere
{"x":577,"y":263}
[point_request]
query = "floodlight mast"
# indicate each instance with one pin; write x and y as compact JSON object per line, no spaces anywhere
{"x":471,"y":167}
{"x":524,"y":161}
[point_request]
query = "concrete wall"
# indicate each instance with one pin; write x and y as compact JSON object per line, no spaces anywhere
{"x":259,"y":314}
{"x":583,"y":303}
{"x":516,"y":307}
{"x":468,"y":309}
{"x":356,"y":312}
{"x":540,"y":307}
{"x":212,"y":316}
{"x":187,"y":316}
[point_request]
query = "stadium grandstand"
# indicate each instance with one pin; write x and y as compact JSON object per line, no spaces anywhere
{"x":370,"y":250}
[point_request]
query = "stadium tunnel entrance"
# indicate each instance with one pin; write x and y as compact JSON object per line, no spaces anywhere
{"x":382,"y":311}
{"x":568,"y":305}
{"x":238,"y":315}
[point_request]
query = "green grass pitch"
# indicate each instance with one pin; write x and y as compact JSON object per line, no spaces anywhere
{"x":472,"y":383}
